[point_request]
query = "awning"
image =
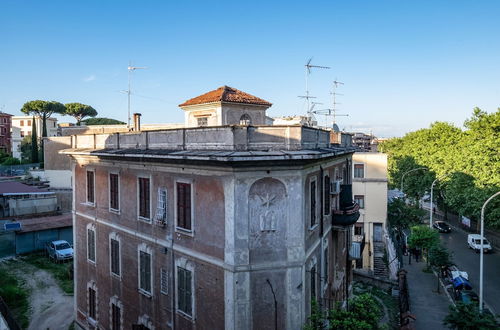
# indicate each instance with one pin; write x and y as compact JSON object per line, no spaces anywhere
{"x":460,"y":283}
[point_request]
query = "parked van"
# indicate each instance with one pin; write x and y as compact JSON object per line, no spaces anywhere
{"x":474,"y":241}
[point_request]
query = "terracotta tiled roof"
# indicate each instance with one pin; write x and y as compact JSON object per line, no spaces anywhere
{"x":226,"y":94}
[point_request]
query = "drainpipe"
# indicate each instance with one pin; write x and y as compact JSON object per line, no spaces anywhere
{"x":320,"y":269}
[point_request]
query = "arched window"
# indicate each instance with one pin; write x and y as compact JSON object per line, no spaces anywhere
{"x":245,"y":120}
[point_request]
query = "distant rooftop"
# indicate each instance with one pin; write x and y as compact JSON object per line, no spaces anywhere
{"x":17,"y":188}
{"x":226,"y":94}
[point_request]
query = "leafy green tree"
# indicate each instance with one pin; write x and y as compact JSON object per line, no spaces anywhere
{"x":316,"y":321}
{"x":439,"y":257}
{"x":367,"y":309}
{"x":423,"y":237}
{"x":25,"y":149}
{"x":44,"y":110}
{"x":401,"y":216}
{"x":79,"y":111}
{"x":467,"y":317}
{"x":11,"y":161}
{"x":466,"y":161}
{"x":102,"y":121}
{"x":34,"y":143}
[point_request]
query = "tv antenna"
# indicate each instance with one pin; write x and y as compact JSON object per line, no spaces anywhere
{"x":332,"y":111}
{"x":309,"y":66}
{"x":130,"y":69}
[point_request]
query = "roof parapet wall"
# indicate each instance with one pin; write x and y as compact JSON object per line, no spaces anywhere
{"x":230,"y":138}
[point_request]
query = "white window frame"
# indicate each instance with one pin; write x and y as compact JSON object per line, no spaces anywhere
{"x":188,"y":265}
{"x":116,"y":237}
{"x":325,"y":273}
{"x":145,"y":320}
{"x":354,"y":170}
{"x":316,"y":220}
{"x":362,"y":207}
{"x":147,"y":249}
{"x":115,"y":301}
{"x":87,"y":187}
{"x":112,"y":210}
{"x":177,"y":228}
{"x":147,"y":220}
{"x":91,"y":227}
{"x":92,"y":285}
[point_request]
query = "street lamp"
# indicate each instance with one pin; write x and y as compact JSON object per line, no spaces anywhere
{"x":415,"y":169}
{"x":482,"y":252}
{"x":431,"y":203}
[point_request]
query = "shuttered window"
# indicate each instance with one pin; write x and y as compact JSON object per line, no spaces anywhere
{"x":144,"y":198}
{"x":145,"y":271}
{"x":115,"y":256}
{"x":184,"y":205}
{"x":91,"y":244}
{"x":312,"y":192}
{"x":90,"y":187}
{"x":116,"y":314}
{"x":114,"y":202}
{"x":163,"y":281}
{"x":184,"y":292}
{"x":92,"y":303}
{"x":326,"y":196}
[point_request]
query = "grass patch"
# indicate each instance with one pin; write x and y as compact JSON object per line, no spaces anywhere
{"x":15,"y":295}
{"x":62,"y":272}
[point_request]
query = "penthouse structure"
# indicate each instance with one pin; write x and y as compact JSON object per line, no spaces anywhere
{"x":224,"y":224}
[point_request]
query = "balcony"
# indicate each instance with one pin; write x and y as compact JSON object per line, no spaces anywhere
{"x":348,"y":213}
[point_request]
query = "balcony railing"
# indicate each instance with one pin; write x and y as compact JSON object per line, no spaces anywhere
{"x":357,"y":247}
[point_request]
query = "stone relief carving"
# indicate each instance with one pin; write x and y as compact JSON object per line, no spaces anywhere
{"x":267,"y":204}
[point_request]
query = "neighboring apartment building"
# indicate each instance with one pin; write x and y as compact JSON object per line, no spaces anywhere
{"x":5,"y":132}
{"x":222,"y":227}
{"x":22,"y":126}
{"x":370,"y":192}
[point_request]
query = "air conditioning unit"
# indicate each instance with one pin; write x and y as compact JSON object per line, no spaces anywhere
{"x":335,"y":187}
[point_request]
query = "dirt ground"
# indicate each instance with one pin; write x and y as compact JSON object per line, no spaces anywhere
{"x":51,"y":308}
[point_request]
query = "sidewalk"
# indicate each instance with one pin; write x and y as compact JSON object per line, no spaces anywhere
{"x":429,"y":307}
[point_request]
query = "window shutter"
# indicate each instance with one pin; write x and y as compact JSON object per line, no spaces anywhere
{"x":163,"y":281}
{"x":187,"y":211}
{"x":181,"y":221}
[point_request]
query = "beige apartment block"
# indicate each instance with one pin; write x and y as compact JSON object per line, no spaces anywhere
{"x":23,"y":125}
{"x":369,"y":186}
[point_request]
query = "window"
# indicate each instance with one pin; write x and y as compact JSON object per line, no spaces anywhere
{"x":360,"y":199}
{"x":114,"y":247}
{"x":312,"y":200}
{"x":245,"y":120}
{"x":161,"y":208}
{"x":29,"y":122}
{"x":145,"y":274}
{"x":163,"y":281}
{"x":114,"y":192}
{"x":184,"y":205}
{"x":90,"y":187}
{"x":144,"y":198}
{"x":184,"y":292}
{"x":325,"y":264}
{"x":202,"y":121}
{"x":359,"y":170}
{"x":91,"y":242}
{"x":21,"y":123}
{"x":92,"y":303}
{"x":326,"y":195}
{"x":313,"y":283}
{"x":116,"y":314}
{"x":22,"y":134}
{"x":358,"y":229}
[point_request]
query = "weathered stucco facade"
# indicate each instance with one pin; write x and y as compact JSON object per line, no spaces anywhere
{"x":370,"y":184}
{"x":228,"y":227}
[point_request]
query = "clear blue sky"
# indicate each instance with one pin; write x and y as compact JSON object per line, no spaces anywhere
{"x":405,"y":64}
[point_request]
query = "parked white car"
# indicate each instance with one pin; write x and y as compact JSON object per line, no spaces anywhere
{"x":474,"y":241}
{"x":59,"y":250}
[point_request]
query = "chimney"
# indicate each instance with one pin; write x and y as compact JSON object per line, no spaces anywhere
{"x":137,"y":122}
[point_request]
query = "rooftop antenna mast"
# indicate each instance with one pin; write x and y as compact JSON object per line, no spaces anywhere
{"x":130,"y":68}
{"x":332,"y":111}
{"x":309,"y":66}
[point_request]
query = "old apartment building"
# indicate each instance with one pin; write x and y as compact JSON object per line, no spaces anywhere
{"x":224,"y":224}
{"x":370,"y":192}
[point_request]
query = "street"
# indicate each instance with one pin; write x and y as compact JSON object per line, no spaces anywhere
{"x":468,"y":260}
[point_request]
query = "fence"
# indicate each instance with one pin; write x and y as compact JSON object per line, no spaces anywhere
{"x":406,"y":318}
{"x":15,"y":170}
{"x":6,"y":316}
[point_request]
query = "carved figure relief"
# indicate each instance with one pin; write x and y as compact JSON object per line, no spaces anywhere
{"x":268,"y":216}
